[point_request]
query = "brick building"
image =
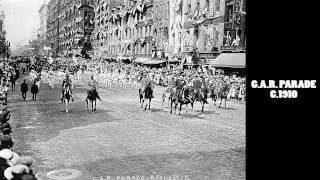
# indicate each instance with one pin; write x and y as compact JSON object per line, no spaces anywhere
{"x":69,"y":26}
{"x":124,"y":29}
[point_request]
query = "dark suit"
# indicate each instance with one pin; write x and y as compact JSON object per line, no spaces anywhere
{"x":34,"y":91}
{"x":24,"y":90}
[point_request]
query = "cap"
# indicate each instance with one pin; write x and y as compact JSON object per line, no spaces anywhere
{"x":5,"y":138}
{"x":24,"y":160}
{"x":16,"y":169}
{"x":6,"y":131}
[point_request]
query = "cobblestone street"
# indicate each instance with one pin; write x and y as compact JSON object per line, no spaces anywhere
{"x":121,"y":140}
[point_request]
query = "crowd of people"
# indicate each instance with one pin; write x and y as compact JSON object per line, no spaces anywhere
{"x":112,"y":73}
{"x":12,"y":166}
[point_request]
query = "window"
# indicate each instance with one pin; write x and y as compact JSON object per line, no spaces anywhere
{"x":217,"y":6}
{"x":230,"y":12}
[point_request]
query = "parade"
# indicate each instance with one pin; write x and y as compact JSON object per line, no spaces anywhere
{"x":128,"y":89}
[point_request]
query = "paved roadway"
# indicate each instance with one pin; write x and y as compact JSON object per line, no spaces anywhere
{"x":121,"y":140}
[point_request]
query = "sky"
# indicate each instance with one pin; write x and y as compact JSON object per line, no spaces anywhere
{"x":22,"y":20}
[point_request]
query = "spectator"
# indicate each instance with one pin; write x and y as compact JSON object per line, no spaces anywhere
{"x":24,"y":90}
{"x":13,"y":81}
{"x":34,"y":91}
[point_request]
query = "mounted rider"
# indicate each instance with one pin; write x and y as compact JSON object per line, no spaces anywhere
{"x":67,"y":82}
{"x":197,"y":84}
{"x":146,"y":82}
{"x":179,"y":84}
{"x":93,"y":88}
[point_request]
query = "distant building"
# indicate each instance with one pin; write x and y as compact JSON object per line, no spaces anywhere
{"x":69,"y":26}
{"x":43,"y":14}
{"x":4,"y":44}
{"x":124,"y":29}
{"x":2,"y":31}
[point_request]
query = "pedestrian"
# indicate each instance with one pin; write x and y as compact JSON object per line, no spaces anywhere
{"x":34,"y":91}
{"x":24,"y":89}
{"x":13,"y":81}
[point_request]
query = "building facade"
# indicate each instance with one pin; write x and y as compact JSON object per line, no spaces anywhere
{"x":43,"y":13}
{"x":203,"y":26}
{"x":234,"y":23}
{"x":2,"y":31}
{"x":128,"y":29}
{"x":70,"y":25}
{"x":161,"y":22}
{"x":124,"y":29}
{"x":4,"y":44}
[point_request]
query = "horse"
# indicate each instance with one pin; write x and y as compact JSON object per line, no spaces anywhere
{"x":92,"y":96}
{"x":220,"y":91}
{"x":145,"y":95}
{"x":185,"y":98}
{"x":199,"y":95}
{"x":66,"y":95}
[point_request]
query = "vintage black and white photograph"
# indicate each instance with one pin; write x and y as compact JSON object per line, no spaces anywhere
{"x":123,"y":89}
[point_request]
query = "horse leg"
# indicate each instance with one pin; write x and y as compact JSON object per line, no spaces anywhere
{"x":62,"y":103}
{"x":66,"y":102}
{"x":87,"y":102}
{"x":225,"y":104}
{"x":92,"y":105}
{"x":202,"y":106}
{"x":145,"y":108}
{"x":163,"y":99}
{"x":187,"y":109}
{"x":175,"y":107}
{"x":191,"y":106}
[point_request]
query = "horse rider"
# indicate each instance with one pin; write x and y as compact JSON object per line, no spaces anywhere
{"x":197,"y":84}
{"x":179,"y":84}
{"x":65,"y":82}
{"x":146,"y":82}
{"x":93,"y":87}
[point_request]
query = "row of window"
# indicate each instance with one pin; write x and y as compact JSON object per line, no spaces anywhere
{"x":145,"y":48}
{"x":140,"y":32}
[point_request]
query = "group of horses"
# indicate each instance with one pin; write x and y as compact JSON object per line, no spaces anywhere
{"x":218,"y":89}
{"x":67,"y":96}
{"x":188,"y":95}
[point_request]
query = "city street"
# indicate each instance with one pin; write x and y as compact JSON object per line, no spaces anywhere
{"x":121,"y":140}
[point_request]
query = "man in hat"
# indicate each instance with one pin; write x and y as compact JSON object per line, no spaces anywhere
{"x":66,"y":81}
{"x":24,"y":89}
{"x":179,"y":84}
{"x":93,"y":87}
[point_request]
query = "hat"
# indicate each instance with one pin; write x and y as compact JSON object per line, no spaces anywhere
{"x":16,"y":169}
{"x":24,"y":160}
{"x":6,"y":131}
{"x":5,"y":138}
{"x":9,"y":155}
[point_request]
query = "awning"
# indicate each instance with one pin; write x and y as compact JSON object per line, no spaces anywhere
{"x":231,"y":60}
{"x":149,"y":61}
{"x":154,"y":61}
